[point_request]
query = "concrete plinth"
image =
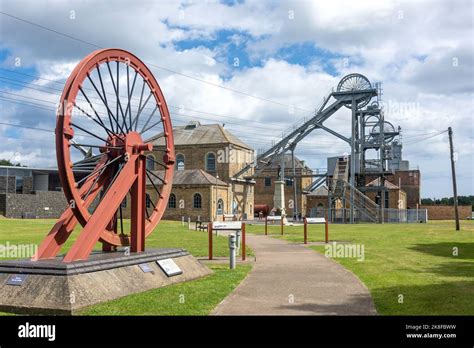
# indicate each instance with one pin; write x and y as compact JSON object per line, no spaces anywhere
{"x":54,"y":287}
{"x":279,"y":199}
{"x":279,"y":195}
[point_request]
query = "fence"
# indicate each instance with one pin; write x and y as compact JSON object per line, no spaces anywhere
{"x":389,"y":215}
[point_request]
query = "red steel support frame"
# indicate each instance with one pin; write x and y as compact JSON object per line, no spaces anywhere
{"x":209,"y":230}
{"x":137,"y":240}
{"x":305,"y":231}
{"x":243,"y":242}
{"x":326,"y":227}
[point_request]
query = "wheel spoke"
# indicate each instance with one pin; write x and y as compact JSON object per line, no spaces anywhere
{"x":93,"y":184}
{"x":90,"y":133}
{"x":148,"y":120}
{"x":99,"y":120}
{"x":153,"y":184}
{"x":105,"y":102}
{"x":153,"y":125}
{"x":100,"y":146}
{"x":143,"y":107}
{"x":108,"y":163}
{"x":130,"y":93}
{"x":116,"y":90}
{"x":93,"y":119}
{"x":121,"y":219}
{"x":135,"y":120}
{"x":158,"y":162}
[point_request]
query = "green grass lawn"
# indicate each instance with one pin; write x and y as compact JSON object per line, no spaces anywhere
{"x":168,"y":234}
{"x":200,"y":296}
{"x":413,"y":260}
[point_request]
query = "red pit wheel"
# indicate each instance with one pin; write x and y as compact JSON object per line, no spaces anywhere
{"x":111,"y":104}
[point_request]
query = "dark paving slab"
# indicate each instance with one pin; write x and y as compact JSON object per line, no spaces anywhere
{"x":98,"y":261}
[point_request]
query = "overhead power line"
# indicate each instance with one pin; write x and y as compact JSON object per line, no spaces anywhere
{"x":155,"y":65}
{"x":181,"y":107}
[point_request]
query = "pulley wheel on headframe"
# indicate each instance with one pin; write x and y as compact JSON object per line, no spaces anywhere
{"x":110,"y":106}
{"x":355,"y":82}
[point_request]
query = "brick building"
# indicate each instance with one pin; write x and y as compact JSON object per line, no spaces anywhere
{"x":207,"y":158}
{"x":394,"y":198}
{"x":27,"y":192}
{"x":265,"y":184}
{"x":409,"y":181}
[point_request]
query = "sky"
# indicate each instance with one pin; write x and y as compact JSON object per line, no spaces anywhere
{"x":258,"y":67}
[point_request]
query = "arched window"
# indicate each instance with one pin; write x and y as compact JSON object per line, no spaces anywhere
{"x":179,"y":161}
{"x":197,"y":199}
{"x":211,"y":162}
{"x":172,"y":201}
{"x":220,"y":207}
{"x":235,"y":206}
{"x":150,"y":162}
{"x":148,"y":201}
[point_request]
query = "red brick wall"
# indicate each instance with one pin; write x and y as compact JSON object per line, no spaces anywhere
{"x":446,"y":212}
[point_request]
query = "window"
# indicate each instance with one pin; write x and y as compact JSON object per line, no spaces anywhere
{"x":180,"y":162}
{"x":197,"y":201}
{"x":378,"y":197}
{"x":172,"y":201}
{"x":211,"y":162}
{"x":18,"y":184}
{"x":150,"y":162}
{"x":289,"y":182}
{"x":124,"y":202}
{"x":148,"y":201}
{"x":268,"y":181}
{"x":386,"y":199}
{"x":220,"y":207}
{"x":235,"y":206}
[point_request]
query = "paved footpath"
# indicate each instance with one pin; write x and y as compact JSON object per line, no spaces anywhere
{"x":290,"y":279}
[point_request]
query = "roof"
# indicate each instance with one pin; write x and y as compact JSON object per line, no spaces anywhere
{"x":190,"y":177}
{"x":299,"y":164}
{"x":195,"y":133}
{"x":387,"y":183}
{"x":36,"y":170}
{"x":320,"y":191}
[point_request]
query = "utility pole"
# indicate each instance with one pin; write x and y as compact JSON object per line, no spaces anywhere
{"x":453,"y":173}
{"x":295,"y":196}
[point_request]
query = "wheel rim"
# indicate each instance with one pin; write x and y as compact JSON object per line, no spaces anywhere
{"x":355,"y":82}
{"x":111,"y":98}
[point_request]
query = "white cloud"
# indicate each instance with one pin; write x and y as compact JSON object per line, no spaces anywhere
{"x":408,"y":45}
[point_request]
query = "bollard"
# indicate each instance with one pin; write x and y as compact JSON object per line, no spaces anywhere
{"x":306,"y":231}
{"x":238,"y":238}
{"x":189,"y":223}
{"x":182,"y":221}
{"x":243,"y":242}
{"x":266,"y":225}
{"x":327,"y":230}
{"x":209,"y":230}
{"x":232,"y":248}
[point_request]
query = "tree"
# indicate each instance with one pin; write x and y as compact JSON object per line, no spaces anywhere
{"x":6,"y":162}
{"x":462,"y":200}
